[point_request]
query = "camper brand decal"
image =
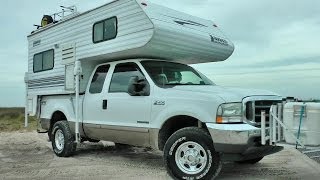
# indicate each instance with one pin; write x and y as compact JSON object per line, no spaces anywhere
{"x":219,"y":40}
{"x":36,"y":43}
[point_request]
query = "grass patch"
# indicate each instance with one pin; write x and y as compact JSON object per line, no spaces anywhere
{"x":12,"y":119}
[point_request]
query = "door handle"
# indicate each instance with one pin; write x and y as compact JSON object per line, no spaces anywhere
{"x":105,"y":104}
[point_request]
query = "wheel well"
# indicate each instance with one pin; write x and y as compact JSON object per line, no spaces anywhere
{"x":56,"y":116}
{"x":175,"y":123}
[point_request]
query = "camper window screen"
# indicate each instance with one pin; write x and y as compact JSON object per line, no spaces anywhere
{"x":98,"y":32}
{"x":37,"y":63}
{"x":47,"y":60}
{"x":43,"y":61}
{"x":105,"y":30}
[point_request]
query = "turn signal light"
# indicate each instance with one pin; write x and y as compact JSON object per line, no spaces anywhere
{"x":219,"y":120}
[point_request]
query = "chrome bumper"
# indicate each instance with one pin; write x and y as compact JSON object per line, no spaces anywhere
{"x":233,"y":138}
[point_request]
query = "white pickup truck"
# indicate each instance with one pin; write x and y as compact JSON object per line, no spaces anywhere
{"x":120,"y":73}
{"x":167,"y":106}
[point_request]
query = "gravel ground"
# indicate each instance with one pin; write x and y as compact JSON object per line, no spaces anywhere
{"x":312,"y":153}
{"x":29,"y":156}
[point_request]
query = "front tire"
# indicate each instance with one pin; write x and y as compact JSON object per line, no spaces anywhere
{"x":189,"y":154}
{"x":62,"y":139}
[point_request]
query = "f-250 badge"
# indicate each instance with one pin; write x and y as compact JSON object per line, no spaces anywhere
{"x":159,"y":103}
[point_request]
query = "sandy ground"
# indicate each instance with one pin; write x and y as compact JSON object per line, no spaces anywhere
{"x":29,"y":156}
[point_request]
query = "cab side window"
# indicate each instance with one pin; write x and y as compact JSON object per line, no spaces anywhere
{"x":121,"y":76}
{"x":98,"y":79}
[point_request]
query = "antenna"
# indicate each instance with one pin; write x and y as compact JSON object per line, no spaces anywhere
{"x":66,"y":11}
{"x":56,"y":17}
{"x":71,"y":8}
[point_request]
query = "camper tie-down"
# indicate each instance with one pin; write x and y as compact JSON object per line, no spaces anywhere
{"x":120,"y":73}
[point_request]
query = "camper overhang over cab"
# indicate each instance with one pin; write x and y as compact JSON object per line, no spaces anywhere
{"x":122,"y":29}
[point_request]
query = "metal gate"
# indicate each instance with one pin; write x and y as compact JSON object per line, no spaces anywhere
{"x":273,"y":132}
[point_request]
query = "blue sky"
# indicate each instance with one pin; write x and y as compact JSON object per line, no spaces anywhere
{"x":276,"y":42}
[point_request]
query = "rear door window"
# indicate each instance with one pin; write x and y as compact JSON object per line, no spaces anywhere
{"x":98,"y":79}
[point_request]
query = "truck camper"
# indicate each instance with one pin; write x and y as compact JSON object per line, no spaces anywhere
{"x":120,"y":72}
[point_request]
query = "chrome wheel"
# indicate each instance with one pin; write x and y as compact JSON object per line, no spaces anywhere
{"x":59,"y":139}
{"x":191,"y":158}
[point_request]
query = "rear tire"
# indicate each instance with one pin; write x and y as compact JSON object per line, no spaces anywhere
{"x":62,"y":139}
{"x":189,"y":154}
{"x":250,"y":161}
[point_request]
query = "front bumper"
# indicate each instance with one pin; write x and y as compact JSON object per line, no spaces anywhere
{"x":239,"y":141}
{"x":233,"y":138}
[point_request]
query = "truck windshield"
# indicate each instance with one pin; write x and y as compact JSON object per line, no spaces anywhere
{"x":174,"y":74}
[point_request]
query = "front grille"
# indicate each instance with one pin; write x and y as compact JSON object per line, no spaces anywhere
{"x":254,"y":108}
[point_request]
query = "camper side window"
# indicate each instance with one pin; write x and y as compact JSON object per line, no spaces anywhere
{"x":98,"y":79}
{"x":105,"y":30}
{"x":43,"y":61}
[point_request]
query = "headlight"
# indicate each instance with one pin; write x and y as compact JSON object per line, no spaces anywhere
{"x":229,"y":113}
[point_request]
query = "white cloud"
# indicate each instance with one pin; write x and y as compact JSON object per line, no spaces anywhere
{"x":292,"y":80}
{"x":297,"y":39}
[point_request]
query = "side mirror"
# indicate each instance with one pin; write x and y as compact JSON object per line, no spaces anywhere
{"x":138,"y":87}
